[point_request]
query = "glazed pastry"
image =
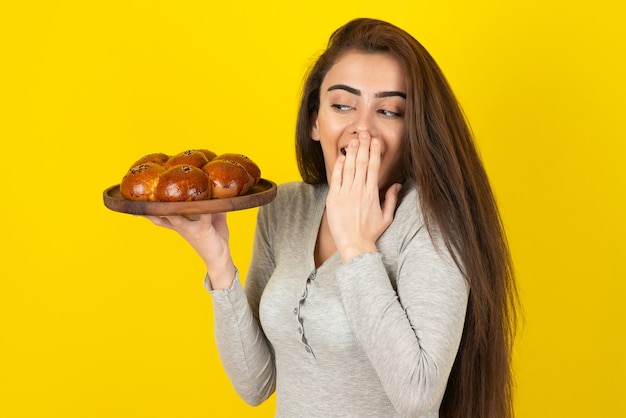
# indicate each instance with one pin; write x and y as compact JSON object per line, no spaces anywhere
{"x":183,"y":183}
{"x":140,"y":182}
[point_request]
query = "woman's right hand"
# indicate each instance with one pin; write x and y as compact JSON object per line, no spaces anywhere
{"x":208,"y":235}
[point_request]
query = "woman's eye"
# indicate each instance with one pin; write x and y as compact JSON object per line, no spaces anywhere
{"x":389,"y":113}
{"x":341,"y":107}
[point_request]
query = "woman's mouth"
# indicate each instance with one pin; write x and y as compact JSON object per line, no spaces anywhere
{"x":343,"y":150}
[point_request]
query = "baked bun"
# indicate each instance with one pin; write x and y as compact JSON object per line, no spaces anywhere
{"x":156,"y":157}
{"x":228,"y":178}
{"x":251,"y":167}
{"x":208,"y":154}
{"x":194,"y":174}
{"x":183,"y":183}
{"x":140,"y":182}
{"x":190,"y":157}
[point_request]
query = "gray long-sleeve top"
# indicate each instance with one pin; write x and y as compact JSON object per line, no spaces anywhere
{"x":375,"y":337}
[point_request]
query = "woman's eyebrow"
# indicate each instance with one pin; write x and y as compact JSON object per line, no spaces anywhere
{"x":390,"y":94}
{"x":357,"y":92}
{"x":349,"y":89}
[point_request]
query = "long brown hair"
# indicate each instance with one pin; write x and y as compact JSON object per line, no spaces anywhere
{"x":455,"y":197}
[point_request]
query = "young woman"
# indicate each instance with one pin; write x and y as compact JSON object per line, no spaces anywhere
{"x":381,"y":285}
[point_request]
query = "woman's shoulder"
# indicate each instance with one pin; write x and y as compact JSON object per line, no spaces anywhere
{"x":293,"y":195}
{"x":409,"y":220}
{"x":297,"y":190}
{"x":291,"y":187}
{"x":409,"y":203}
{"x":295,"y":186}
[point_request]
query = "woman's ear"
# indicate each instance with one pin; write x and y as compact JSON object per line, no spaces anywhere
{"x":315,"y":131}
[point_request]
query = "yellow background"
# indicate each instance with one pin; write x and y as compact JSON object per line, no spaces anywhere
{"x":104,"y":315}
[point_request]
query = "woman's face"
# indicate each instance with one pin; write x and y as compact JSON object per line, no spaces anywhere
{"x":363,"y":92}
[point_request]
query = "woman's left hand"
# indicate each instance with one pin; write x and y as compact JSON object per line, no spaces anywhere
{"x":356,"y":217}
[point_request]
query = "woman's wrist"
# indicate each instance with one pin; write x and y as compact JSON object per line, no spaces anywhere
{"x":349,"y":252}
{"x":221,"y":277}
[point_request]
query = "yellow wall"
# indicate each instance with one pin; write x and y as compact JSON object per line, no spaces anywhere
{"x":104,"y":315}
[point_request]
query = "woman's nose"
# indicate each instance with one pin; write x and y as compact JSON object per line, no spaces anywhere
{"x":364,"y":122}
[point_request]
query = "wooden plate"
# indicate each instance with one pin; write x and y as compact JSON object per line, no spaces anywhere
{"x":259,"y":195}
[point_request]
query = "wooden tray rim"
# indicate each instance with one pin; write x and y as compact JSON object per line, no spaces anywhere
{"x":261,"y":194}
